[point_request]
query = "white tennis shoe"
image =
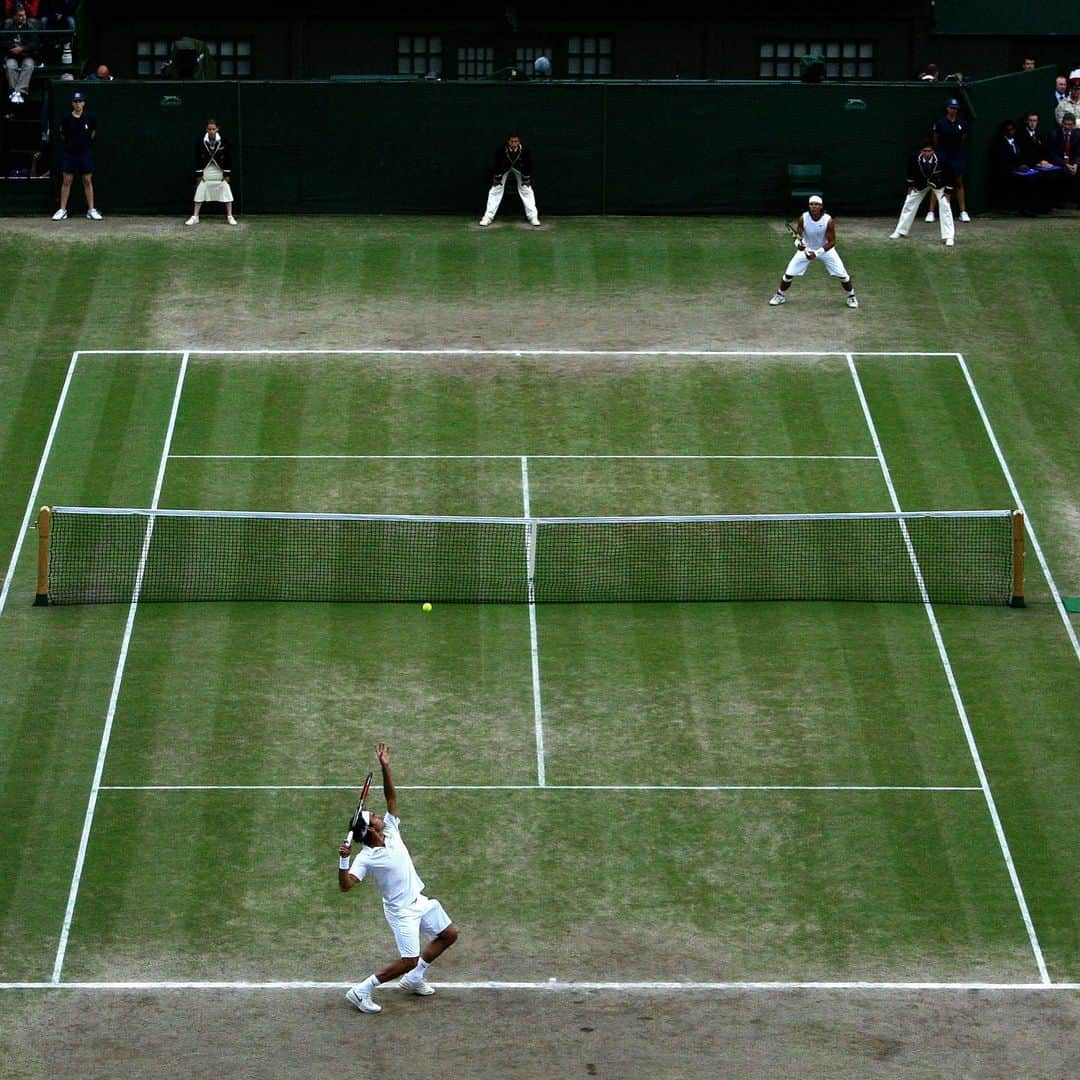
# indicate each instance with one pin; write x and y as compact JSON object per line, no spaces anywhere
{"x":852,"y":300}
{"x":193,"y":220}
{"x":362,"y":1002}
{"x":93,"y":215}
{"x":949,"y":242}
{"x":417,"y":986}
{"x":230,"y":220}
{"x":964,"y":215}
{"x":930,"y":217}
{"x":59,"y":215}
{"x":894,"y":235}
{"x":777,"y":298}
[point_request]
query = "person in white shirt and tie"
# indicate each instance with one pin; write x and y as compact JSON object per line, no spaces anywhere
{"x":816,"y":243}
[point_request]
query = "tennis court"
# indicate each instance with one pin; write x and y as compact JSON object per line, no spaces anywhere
{"x":786,"y":793}
{"x":760,"y":842}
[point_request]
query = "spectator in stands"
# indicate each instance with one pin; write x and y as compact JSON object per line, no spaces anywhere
{"x":1029,"y":63}
{"x":212,"y":172}
{"x":1033,"y":150}
{"x":1070,"y":104}
{"x":59,"y":15}
{"x":1061,"y":90}
{"x":1065,"y":151}
{"x":30,"y":6}
{"x":1017,"y":185}
{"x":78,"y":129}
{"x":100,"y":74}
{"x":947,"y":134}
{"x":19,"y":43}
{"x":930,"y":73}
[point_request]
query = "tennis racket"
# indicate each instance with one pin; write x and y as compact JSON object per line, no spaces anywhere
{"x":794,"y":232}
{"x":355,"y":820}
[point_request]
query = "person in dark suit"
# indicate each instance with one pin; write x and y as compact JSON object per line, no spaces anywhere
{"x":1016,"y":184}
{"x":1033,"y":150}
{"x":1065,"y":151}
{"x":1044,"y":177}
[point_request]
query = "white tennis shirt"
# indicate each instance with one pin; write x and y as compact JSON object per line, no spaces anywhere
{"x":814,"y":231}
{"x":390,"y":867}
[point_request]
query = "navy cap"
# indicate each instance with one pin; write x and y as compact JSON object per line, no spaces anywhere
{"x":77,"y":96}
{"x":952,"y":103}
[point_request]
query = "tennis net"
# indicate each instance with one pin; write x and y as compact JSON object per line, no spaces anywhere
{"x":97,"y":555}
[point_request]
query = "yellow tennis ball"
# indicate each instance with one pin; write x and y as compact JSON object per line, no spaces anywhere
{"x":427,"y":606}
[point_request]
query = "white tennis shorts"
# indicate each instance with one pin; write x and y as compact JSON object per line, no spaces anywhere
{"x":423,"y":916}
{"x":833,"y":263}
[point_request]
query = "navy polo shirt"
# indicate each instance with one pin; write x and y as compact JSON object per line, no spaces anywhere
{"x":77,"y":132}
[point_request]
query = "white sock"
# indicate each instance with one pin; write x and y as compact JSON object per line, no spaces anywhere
{"x":421,"y":967}
{"x":368,"y":985}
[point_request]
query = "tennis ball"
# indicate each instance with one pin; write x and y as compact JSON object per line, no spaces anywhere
{"x":427,"y":606}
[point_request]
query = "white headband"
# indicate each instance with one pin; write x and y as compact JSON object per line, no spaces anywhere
{"x":816,"y":199}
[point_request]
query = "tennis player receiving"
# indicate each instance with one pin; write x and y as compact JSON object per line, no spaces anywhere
{"x":384,"y":856}
{"x":816,"y":243}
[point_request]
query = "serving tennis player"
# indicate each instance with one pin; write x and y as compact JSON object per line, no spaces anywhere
{"x":384,"y":856}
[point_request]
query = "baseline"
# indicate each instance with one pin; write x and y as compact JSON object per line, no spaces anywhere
{"x":544,"y":787}
{"x":558,"y":986}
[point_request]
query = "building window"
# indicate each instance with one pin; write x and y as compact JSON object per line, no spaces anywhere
{"x":150,"y":56}
{"x":233,"y":58}
{"x":524,"y":55}
{"x":588,"y":56}
{"x":475,"y":62}
{"x":418,"y":54}
{"x":843,"y":59}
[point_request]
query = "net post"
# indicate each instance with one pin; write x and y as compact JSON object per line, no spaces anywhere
{"x":1018,"y":559}
{"x":44,"y":526}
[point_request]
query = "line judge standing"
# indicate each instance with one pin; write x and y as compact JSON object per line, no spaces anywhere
{"x":212,"y":170}
{"x":512,"y":159}
{"x":927,"y":172}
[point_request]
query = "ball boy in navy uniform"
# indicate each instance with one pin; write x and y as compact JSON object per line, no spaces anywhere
{"x":77,"y":131}
{"x":947,"y":135}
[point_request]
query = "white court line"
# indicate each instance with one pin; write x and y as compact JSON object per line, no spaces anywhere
{"x":545,"y":787}
{"x":106,"y":735}
{"x":954,"y":689}
{"x":534,"y":643}
{"x":1019,"y":504}
{"x":31,"y":503}
{"x":514,"y":457}
{"x":561,"y":986}
{"x":510,"y":351}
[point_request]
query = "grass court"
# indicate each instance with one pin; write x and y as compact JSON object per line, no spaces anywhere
{"x":753,"y":795}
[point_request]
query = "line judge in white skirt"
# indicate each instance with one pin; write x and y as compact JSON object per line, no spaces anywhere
{"x":212,"y":170}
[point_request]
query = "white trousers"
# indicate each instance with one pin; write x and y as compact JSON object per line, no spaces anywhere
{"x":911,"y":208}
{"x":830,"y":259}
{"x":528,"y":199}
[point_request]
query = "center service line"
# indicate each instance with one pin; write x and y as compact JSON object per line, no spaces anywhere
{"x":958,"y":701}
{"x":534,"y":646}
{"x":118,"y":678}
